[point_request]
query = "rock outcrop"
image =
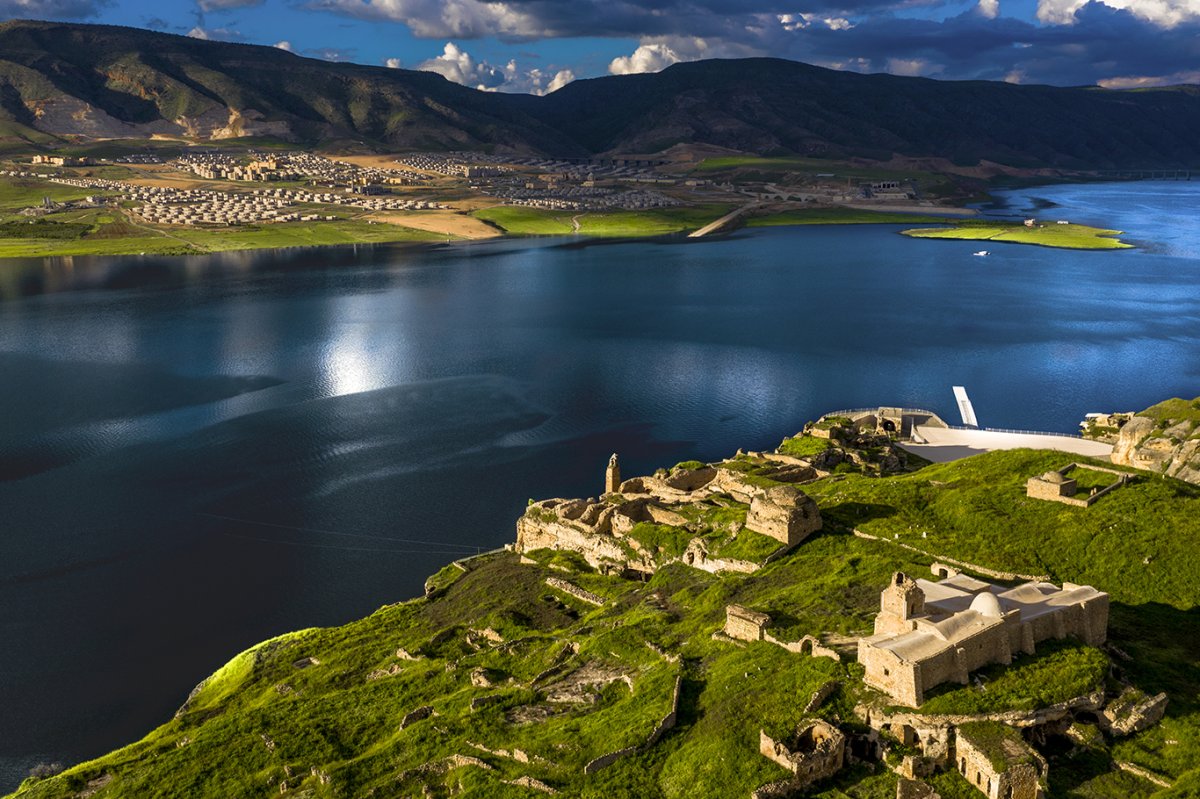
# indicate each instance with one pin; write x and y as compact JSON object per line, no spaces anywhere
{"x":1164,"y":439}
{"x":685,"y":515}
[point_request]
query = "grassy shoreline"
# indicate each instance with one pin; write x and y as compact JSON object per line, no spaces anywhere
{"x":1064,"y":236}
{"x":114,"y":232}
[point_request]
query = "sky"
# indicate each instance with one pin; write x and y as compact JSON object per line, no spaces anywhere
{"x":538,"y":46}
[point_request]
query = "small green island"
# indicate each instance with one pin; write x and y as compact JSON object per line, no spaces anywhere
{"x":1063,"y":235}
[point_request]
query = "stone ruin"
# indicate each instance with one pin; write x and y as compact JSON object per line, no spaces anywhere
{"x":743,"y":624}
{"x":814,"y":752}
{"x":997,"y":761}
{"x":1056,"y":486}
{"x":599,"y":529}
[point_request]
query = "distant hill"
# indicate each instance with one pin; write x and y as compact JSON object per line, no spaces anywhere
{"x":103,"y":81}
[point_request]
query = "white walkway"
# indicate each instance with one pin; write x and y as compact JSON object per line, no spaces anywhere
{"x":949,"y":445}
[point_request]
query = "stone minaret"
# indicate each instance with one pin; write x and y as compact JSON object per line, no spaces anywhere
{"x":899,"y":604}
{"x":612,"y":475}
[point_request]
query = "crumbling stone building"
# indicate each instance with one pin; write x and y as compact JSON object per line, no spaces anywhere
{"x":996,"y":760}
{"x":814,"y":752}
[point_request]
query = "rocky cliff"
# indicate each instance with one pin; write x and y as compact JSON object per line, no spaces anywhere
{"x":1164,"y":439}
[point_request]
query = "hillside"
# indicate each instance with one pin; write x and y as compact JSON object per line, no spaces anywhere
{"x":517,"y":676}
{"x":104,"y":81}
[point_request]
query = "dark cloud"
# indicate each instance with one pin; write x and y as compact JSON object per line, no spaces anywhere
{"x":226,"y":5}
{"x":52,"y":9}
{"x":157,"y":24}
{"x":1104,"y":43}
{"x":1088,"y":42}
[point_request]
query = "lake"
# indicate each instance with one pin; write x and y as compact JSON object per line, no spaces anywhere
{"x":197,"y":454}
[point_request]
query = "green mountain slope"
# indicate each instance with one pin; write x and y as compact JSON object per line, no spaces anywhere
{"x":770,"y":105}
{"x":499,"y":684}
{"x":107,"y":81}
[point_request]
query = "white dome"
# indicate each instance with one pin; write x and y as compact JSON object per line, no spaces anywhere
{"x":986,"y":604}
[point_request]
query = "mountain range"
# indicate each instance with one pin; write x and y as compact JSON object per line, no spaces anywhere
{"x":95,"y":81}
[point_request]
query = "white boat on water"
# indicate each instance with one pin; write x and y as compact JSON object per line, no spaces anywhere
{"x":981,"y":253}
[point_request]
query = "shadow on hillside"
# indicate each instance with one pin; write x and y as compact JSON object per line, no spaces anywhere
{"x":851,"y":514}
{"x":1157,"y":647}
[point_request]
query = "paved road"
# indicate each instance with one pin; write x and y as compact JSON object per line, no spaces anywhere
{"x":950,"y":445}
{"x":713,"y":227}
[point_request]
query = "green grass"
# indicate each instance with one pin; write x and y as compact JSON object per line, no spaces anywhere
{"x":342,"y":716}
{"x":1057,"y":672}
{"x":1073,"y":237}
{"x":1174,"y":410}
{"x":842,"y":216}
{"x":805,"y":446}
{"x":746,"y":545}
{"x":1087,"y":479}
{"x":976,"y":510}
{"x":124,"y":238}
{"x":990,"y":738}
{"x":522,"y":221}
{"x":661,"y":540}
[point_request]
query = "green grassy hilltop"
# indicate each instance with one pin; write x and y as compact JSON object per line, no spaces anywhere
{"x":499,"y":684}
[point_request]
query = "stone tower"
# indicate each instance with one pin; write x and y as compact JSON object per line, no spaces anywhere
{"x":901,"y":602}
{"x":612,"y":475}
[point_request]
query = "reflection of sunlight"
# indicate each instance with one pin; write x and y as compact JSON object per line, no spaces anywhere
{"x":365,"y":350}
{"x":348,"y":364}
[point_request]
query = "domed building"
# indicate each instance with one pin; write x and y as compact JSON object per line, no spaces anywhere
{"x":929,"y":633}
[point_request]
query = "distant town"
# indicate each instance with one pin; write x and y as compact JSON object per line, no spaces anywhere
{"x":159,"y":192}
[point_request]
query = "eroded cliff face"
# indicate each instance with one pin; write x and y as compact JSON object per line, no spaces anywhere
{"x":1164,"y":446}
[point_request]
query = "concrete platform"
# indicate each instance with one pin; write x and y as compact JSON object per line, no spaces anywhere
{"x":944,"y":445}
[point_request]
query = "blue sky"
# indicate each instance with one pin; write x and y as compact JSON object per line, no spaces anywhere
{"x":539,"y":45}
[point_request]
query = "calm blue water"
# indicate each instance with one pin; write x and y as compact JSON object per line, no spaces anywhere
{"x":198,"y":454}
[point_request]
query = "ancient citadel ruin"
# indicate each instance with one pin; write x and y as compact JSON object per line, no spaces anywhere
{"x":927,"y":633}
{"x":606,"y":531}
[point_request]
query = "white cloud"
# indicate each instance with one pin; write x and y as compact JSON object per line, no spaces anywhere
{"x":647,"y":58}
{"x":392,"y":63}
{"x":799,"y":22}
{"x":989,"y":8}
{"x":912,"y":67}
{"x":560,"y":79}
{"x":283,"y":45}
{"x":1163,"y":13}
{"x":215,"y":34}
{"x":457,"y":65}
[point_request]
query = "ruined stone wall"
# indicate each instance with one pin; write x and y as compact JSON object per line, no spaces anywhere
{"x":784,"y":513}
{"x":744,"y":624}
{"x":1019,"y":781}
{"x":823,"y":759}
